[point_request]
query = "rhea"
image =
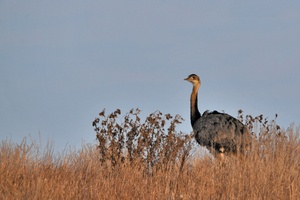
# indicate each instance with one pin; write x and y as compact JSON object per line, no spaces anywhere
{"x":220,"y":133}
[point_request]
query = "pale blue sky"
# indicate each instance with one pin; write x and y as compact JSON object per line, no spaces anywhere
{"x":61,"y":62}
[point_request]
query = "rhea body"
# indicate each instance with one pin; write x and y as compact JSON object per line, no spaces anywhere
{"x":219,"y":132}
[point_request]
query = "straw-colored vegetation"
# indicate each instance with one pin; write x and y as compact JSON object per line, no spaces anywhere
{"x":149,"y":159}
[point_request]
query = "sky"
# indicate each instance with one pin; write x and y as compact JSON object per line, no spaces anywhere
{"x":62,"y":62}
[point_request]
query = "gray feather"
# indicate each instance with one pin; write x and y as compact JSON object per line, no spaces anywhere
{"x":220,"y":130}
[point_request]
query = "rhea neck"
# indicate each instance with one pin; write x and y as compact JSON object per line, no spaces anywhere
{"x":195,"y":114}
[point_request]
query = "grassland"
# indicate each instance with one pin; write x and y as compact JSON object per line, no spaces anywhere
{"x":150,"y":160}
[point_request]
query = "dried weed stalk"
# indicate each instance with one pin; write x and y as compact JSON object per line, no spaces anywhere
{"x":154,"y":143}
{"x":269,"y":138}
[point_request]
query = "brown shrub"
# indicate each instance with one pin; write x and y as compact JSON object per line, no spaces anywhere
{"x":150,"y":143}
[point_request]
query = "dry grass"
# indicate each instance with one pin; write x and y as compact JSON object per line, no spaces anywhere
{"x":152,"y":162}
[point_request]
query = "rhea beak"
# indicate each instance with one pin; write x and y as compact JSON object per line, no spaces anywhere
{"x":186,"y":79}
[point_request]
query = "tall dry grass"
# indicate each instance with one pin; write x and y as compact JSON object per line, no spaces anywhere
{"x":150,"y":160}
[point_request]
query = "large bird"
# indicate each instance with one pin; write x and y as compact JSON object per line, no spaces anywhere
{"x":219,"y":132}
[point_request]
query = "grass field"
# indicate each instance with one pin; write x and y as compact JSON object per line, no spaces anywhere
{"x":150,"y":160}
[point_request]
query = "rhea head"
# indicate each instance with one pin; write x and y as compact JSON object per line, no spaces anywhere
{"x":194,"y":79}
